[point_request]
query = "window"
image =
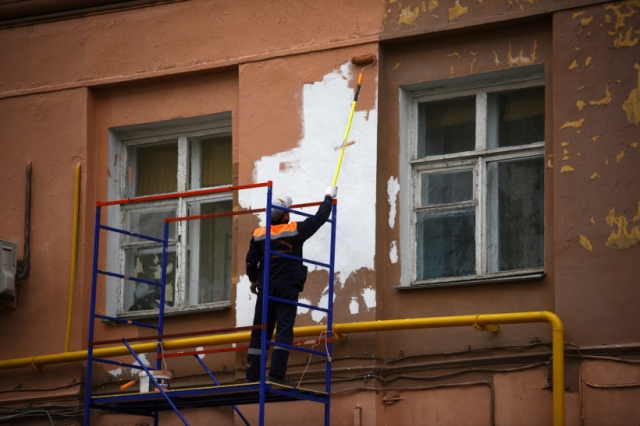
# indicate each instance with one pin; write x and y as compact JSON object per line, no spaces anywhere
{"x":162,"y":160}
{"x":475,"y":163}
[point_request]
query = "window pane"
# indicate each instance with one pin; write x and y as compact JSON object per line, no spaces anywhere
{"x":515,"y":202}
{"x":445,"y":244}
{"x":155,"y":168}
{"x":446,"y":187}
{"x":515,"y":117}
{"x":216,"y":161}
{"x":151,"y":223}
{"x":209,"y":253}
{"x":446,"y":127}
{"x":147,"y":264}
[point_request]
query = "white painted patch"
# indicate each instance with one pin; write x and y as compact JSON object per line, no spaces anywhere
{"x":200,"y":348}
{"x":354,"y":306}
{"x":245,"y":302}
{"x":301,"y":309}
{"x":117,"y":372}
{"x":318,"y":316}
{"x":369,"y":296}
{"x":393,"y":252}
{"x":393,"y":187}
{"x":311,"y":167}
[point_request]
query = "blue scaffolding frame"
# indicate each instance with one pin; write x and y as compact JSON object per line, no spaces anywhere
{"x":262,"y":392}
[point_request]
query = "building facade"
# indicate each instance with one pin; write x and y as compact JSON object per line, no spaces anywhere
{"x":491,"y":167}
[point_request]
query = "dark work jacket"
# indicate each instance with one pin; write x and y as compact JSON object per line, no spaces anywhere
{"x":285,"y":238}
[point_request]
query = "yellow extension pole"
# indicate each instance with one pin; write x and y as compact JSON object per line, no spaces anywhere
{"x":346,"y":133}
{"x":557,"y":342}
{"x":74,"y":256}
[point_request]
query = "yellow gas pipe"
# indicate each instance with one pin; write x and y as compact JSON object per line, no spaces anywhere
{"x":74,"y":255}
{"x":480,"y":321}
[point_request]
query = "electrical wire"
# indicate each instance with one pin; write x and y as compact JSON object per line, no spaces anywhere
{"x":28,"y":413}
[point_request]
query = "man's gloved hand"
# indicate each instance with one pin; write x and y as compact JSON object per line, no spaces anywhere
{"x":254,"y":288}
{"x":332,"y":191}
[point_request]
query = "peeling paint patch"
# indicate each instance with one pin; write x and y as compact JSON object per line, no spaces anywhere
{"x":622,"y":11}
{"x":588,"y":61}
{"x":393,"y":252}
{"x":396,"y":66}
{"x":605,"y":100}
{"x":633,"y":144}
{"x":594,"y":176}
{"x":621,"y":238}
{"x":574,"y":124}
{"x":496,"y":61}
{"x":407,"y":16}
{"x":369,"y":296}
{"x":521,"y":59}
{"x":565,"y":169}
{"x":593,"y":222}
{"x":636,"y":218}
{"x":595,"y":138}
{"x":393,"y":188}
{"x":620,"y":156}
{"x":576,"y":14}
{"x":457,"y":11}
{"x":354,"y":306}
{"x":584,"y":241}
{"x":632,"y":105}
{"x":586,"y":21}
{"x":433,"y":5}
{"x":580,"y":105}
{"x":574,"y":64}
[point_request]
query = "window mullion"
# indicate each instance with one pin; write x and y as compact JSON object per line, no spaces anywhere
{"x":481,"y":216}
{"x":481,"y":121}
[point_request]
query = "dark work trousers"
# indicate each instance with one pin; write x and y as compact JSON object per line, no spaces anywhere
{"x":282,"y":314}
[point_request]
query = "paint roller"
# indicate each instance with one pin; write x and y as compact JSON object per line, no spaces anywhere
{"x":366,"y":60}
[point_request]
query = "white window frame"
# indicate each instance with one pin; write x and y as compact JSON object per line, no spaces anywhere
{"x":120,"y":139}
{"x":411,"y":168}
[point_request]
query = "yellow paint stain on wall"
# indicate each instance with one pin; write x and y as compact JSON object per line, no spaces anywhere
{"x":433,"y":5}
{"x":574,"y":124}
{"x":593,"y":222}
{"x":628,"y":40}
{"x":565,"y":158}
{"x":584,"y":241}
{"x":607,"y":19}
{"x":633,"y":144}
{"x":621,"y":238}
{"x":564,"y":143}
{"x":574,"y":64}
{"x":586,"y":21}
{"x":620,"y":156}
{"x":595,"y":138}
{"x":424,"y":7}
{"x":457,"y":11}
{"x":565,"y":169}
{"x":594,"y":176}
{"x":580,"y":104}
{"x":632,"y":105}
{"x":521,"y":59}
{"x":565,"y":152}
{"x":605,"y":100}
{"x":576,"y":14}
{"x":587,"y":62}
{"x":407,"y":16}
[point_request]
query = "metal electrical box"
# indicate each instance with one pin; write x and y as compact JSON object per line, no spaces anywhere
{"x":8,"y":264}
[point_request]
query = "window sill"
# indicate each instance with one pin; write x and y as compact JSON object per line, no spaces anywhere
{"x":529,"y":274}
{"x":217,"y":306}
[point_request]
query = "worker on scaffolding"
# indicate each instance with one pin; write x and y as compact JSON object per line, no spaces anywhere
{"x":286,"y":281}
